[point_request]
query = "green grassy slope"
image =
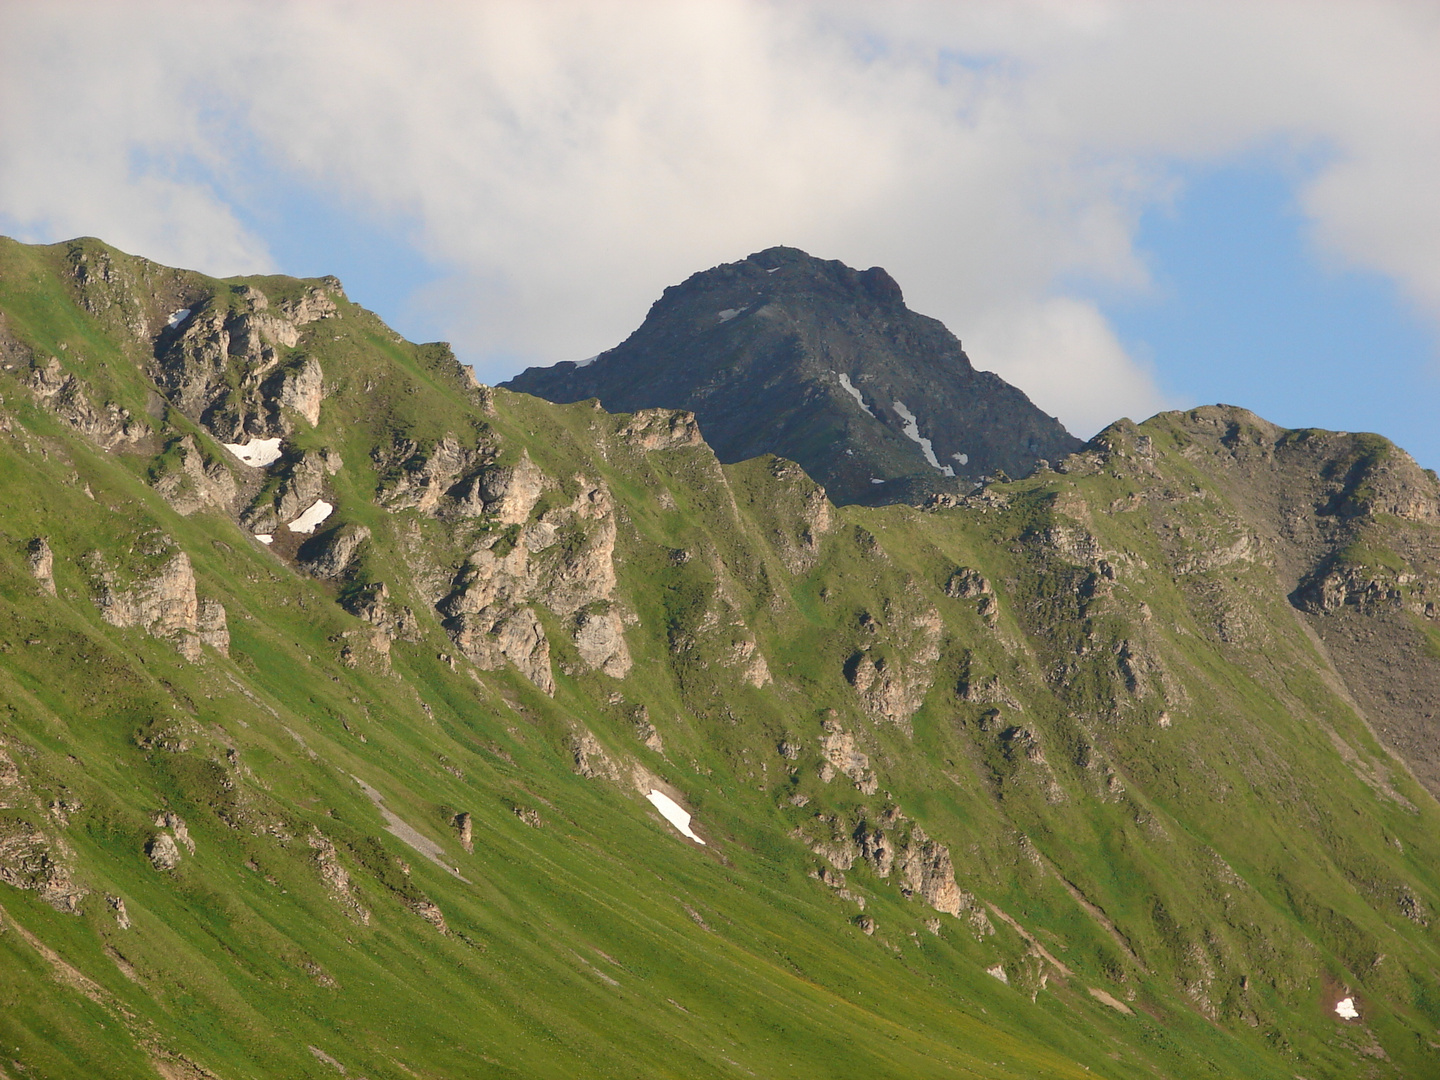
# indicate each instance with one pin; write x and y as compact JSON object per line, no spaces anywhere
{"x":1170,"y":827}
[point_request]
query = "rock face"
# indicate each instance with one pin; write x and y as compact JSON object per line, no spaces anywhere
{"x":841,"y":755}
{"x":564,"y":559}
{"x":165,"y":604}
{"x":42,"y":563}
{"x":232,"y":364}
{"x":194,"y":483}
{"x":787,"y":354}
{"x":68,"y":398}
{"x":330,"y":554}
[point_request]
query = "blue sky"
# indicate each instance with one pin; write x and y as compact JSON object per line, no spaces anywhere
{"x":1120,"y":206}
{"x":1245,"y":311}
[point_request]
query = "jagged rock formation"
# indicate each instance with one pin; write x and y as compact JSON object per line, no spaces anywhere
{"x":190,"y":483}
{"x":787,"y":354}
{"x":231,"y":364}
{"x":68,"y":398}
{"x":164,"y":603}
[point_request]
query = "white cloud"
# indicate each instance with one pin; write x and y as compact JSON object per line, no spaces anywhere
{"x":1062,"y":352}
{"x":563,"y":162}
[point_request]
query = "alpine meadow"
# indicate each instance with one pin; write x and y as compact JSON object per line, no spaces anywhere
{"x":358,"y":719}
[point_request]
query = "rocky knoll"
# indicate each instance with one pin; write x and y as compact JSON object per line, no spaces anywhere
{"x":788,"y":354}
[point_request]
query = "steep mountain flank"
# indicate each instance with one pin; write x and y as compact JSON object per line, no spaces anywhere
{"x":1352,"y":527}
{"x":394,"y":725}
{"x":786,"y":354}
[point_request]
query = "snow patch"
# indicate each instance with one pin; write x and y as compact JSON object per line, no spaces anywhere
{"x":587,"y":361}
{"x":306,"y":522}
{"x":730,"y":313}
{"x":178,"y":317}
{"x":963,"y":459}
{"x":912,"y":432}
{"x":875,"y":480}
{"x":849,"y":453}
{"x":256,"y":453}
{"x":674,"y":813}
{"x":265,"y":538}
{"x":853,"y":391}
{"x":772,"y":270}
{"x":1345,"y":1009}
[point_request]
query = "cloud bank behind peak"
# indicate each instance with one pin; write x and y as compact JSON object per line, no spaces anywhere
{"x":559,"y":164}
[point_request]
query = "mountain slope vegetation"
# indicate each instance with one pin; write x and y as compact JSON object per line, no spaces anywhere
{"x":1124,"y":769}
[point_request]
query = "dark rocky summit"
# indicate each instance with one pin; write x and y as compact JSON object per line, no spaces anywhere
{"x":806,"y":358}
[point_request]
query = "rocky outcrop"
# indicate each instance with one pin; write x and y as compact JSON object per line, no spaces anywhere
{"x":164,"y":853}
{"x":465,"y":830}
{"x":600,"y":640}
{"x":494,"y":636}
{"x":509,"y":493}
{"x":745,"y":654}
{"x":431,"y":913}
{"x":229,"y":365}
{"x":564,"y":560}
{"x":41,"y":561}
{"x":63,"y":394}
{"x":372,"y":603}
{"x":14,"y":791}
{"x":336,"y":878}
{"x":965,"y":583}
{"x":829,"y":837}
{"x":841,"y":755}
{"x":192,"y":483}
{"x":117,"y":905}
{"x":1366,"y":587}
{"x":892,"y":689}
{"x":419,"y":478}
{"x":925,"y":870}
{"x":591,"y":760}
{"x":302,"y":388}
{"x":212,"y":627}
{"x":164,"y":604}
{"x":330,"y":554}
{"x":893,"y":845}
{"x":30,"y":859}
{"x":661,"y":429}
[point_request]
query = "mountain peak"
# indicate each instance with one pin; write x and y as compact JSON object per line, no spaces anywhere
{"x":810,"y":359}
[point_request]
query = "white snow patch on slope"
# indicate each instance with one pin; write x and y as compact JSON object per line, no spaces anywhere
{"x":306,"y":522}
{"x":674,"y":813}
{"x":265,"y":538}
{"x":912,"y":432}
{"x":876,"y":480}
{"x":853,"y":391}
{"x":1345,"y":1008}
{"x":178,"y":317}
{"x":587,"y":361}
{"x":963,"y":459}
{"x":256,"y":453}
{"x":730,"y":313}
